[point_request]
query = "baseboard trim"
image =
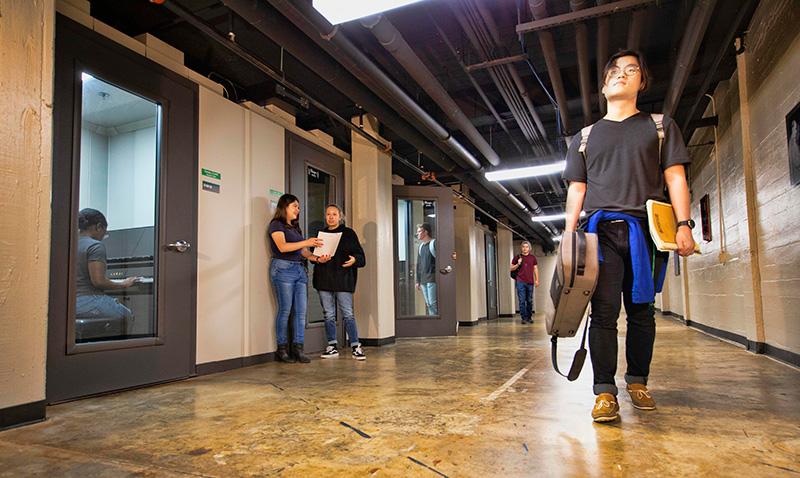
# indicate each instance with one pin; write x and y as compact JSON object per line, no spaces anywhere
{"x":234,"y":363}
{"x":761,"y":348}
{"x":468,"y":324}
{"x":507,"y":315}
{"x":20,"y":415}
{"x":378,"y":342}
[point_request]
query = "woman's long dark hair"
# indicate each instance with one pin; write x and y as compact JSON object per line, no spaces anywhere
{"x":280,"y":212}
{"x":89,"y":217}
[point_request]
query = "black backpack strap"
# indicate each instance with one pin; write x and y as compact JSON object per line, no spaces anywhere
{"x":577,"y":360}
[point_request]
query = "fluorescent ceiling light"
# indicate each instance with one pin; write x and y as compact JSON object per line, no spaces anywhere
{"x":528,"y":172}
{"x":86,"y":76}
{"x":553,"y":217}
{"x":340,"y":11}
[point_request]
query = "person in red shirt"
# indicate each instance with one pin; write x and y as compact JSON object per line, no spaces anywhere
{"x":527,"y":269}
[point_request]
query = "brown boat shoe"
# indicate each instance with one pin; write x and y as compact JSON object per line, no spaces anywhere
{"x":640,"y":396}
{"x":605,"y":408}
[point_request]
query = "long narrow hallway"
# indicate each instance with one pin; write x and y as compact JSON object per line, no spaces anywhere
{"x":486,"y":403}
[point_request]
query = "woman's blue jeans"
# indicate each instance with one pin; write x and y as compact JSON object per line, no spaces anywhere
{"x":345,"y":300}
{"x":289,"y":280}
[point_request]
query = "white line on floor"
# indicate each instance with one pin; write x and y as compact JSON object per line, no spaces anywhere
{"x":505,"y":386}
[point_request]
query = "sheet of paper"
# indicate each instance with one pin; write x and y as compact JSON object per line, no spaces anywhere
{"x":330,"y":241}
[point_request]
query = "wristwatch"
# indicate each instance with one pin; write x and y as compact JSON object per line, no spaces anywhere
{"x":689,"y":223}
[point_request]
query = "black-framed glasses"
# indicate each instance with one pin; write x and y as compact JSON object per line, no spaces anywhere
{"x":629,"y":70}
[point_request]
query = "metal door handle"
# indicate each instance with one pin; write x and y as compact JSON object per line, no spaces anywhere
{"x":446,"y":270}
{"x":180,"y":246}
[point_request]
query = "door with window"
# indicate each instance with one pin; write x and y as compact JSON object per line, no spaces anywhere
{"x":317,"y":178}
{"x":491,"y":276}
{"x":425,"y":304}
{"x":122,"y":280}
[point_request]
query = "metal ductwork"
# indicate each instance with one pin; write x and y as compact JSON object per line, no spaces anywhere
{"x":354,"y":60}
{"x":395,"y":44}
{"x":582,"y":43}
{"x":539,"y":11}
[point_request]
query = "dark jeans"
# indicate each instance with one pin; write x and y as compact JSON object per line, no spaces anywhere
{"x":615,"y":279}
{"x":525,"y":298}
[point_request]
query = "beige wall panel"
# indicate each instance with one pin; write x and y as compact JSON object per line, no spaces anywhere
{"x":463,"y":218}
{"x":26,"y":76}
{"x":267,"y":163}
{"x":505,"y":284}
{"x":221,"y":232}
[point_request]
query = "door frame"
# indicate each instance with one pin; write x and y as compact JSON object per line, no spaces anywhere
{"x":78,"y":49}
{"x":314,"y":339}
{"x":488,"y":236}
{"x":445,"y":324}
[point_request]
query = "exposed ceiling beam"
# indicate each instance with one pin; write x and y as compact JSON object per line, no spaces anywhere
{"x":498,"y":62}
{"x":585,"y":14}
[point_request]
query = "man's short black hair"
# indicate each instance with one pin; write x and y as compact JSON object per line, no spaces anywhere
{"x":612,"y":62}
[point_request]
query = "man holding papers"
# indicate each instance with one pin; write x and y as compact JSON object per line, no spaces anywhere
{"x":335,"y":280}
{"x":626,"y":161}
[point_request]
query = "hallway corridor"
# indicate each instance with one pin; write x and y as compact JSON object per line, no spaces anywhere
{"x":434,"y":407}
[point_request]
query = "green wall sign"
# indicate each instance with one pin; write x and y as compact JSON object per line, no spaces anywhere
{"x":211,"y":174}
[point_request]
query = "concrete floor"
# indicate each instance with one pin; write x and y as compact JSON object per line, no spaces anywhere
{"x":434,"y":407}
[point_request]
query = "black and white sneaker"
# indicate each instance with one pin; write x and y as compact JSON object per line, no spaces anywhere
{"x":358,"y":354}
{"x":330,"y":351}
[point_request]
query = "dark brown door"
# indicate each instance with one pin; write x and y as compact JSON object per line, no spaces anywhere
{"x":317,"y":179}
{"x":125,"y":144}
{"x":424,"y":268}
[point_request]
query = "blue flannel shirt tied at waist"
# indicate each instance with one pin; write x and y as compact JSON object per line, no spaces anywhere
{"x":644,"y":290}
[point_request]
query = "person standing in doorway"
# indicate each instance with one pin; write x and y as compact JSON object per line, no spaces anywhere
{"x":527,"y":268}
{"x":426,"y":267}
{"x":289,"y":275}
{"x":335,"y":281}
{"x":621,"y":165}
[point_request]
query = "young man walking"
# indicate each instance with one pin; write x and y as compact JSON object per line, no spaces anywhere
{"x":622,"y":164}
{"x":527,"y":278}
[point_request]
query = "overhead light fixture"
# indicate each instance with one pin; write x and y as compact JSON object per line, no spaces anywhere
{"x":340,"y":11}
{"x":86,"y":76}
{"x":553,"y":217}
{"x":528,"y":172}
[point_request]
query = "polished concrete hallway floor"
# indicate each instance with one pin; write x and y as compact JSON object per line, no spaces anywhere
{"x":484,"y":404}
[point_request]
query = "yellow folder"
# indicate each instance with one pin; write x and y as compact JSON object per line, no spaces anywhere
{"x":663,"y":226}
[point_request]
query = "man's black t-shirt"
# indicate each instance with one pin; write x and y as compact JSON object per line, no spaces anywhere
{"x":622,"y":169}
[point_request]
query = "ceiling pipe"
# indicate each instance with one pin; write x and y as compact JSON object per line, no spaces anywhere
{"x":339,"y":47}
{"x":392,"y":40}
{"x":693,"y":36}
{"x":582,"y":43}
{"x":394,"y":43}
{"x":476,"y":85}
{"x":512,"y":70}
{"x":637,"y":25}
{"x":603,"y":34}
{"x":508,"y":95}
{"x":539,"y":11}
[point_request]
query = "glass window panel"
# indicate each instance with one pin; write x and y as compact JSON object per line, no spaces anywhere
{"x":116,"y":251}
{"x":417,"y":252}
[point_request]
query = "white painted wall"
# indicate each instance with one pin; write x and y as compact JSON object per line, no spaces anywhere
{"x":26,"y":76}
{"x":132,"y":179}
{"x":466,"y":302}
